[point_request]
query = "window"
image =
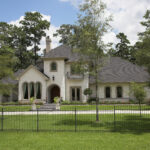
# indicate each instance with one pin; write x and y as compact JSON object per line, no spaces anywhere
{"x":107,"y":92}
{"x":38,"y":90}
{"x":31,"y":89}
{"x":119,"y":92}
{"x":75,"y":93}
{"x":53,"y":66}
{"x":25,"y":90}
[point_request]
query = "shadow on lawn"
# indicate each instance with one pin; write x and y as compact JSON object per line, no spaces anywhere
{"x":129,"y":124}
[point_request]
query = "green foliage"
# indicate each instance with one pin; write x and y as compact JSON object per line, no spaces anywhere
{"x":56,"y":100}
{"x":7,"y":60}
{"x":88,"y":92}
{"x":138,"y":91}
{"x":122,"y":48}
{"x":142,"y":46}
{"x":32,"y":100}
{"x":34,"y":26}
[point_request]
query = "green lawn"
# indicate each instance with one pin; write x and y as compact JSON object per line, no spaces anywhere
{"x":104,"y":107}
{"x":79,"y":107}
{"x":132,"y":132}
{"x":85,"y":122}
{"x":17,"y":108}
{"x":73,"y":141}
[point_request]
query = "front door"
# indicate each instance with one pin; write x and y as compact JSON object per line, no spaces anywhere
{"x":55,"y":92}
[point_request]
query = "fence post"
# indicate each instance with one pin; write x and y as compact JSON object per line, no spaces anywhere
{"x":37,"y":120}
{"x":2,"y":118}
{"x":114,"y":117}
{"x":140,"y":110}
{"x":75,"y":119}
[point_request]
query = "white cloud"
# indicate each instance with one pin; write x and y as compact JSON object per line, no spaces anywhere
{"x":50,"y":32}
{"x":75,"y":3}
{"x":127,"y":15}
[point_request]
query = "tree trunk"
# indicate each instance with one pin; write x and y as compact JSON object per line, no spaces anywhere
{"x":34,"y":53}
{"x":97,"y":100}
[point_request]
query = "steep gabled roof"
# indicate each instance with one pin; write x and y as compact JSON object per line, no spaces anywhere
{"x":34,"y":67}
{"x":118,"y":70}
{"x":64,"y":52}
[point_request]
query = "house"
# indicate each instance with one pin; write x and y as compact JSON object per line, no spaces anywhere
{"x":54,"y":77}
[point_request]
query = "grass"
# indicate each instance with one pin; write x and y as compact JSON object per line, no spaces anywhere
{"x":132,"y":132}
{"x":85,"y":122}
{"x":104,"y":107}
{"x":17,"y":108}
{"x":79,"y":107}
{"x":73,"y":141}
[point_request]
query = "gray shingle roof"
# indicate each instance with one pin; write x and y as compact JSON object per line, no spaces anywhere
{"x":62,"y":51}
{"x":115,"y":70}
{"x":118,"y":70}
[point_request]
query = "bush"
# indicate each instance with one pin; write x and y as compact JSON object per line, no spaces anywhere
{"x":138,"y":91}
{"x":91,"y":100}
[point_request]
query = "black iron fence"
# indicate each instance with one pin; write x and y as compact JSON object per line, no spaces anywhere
{"x":122,"y":118}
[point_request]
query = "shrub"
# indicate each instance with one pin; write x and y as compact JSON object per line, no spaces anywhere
{"x":56,"y":100}
{"x":138,"y":91}
{"x":92,"y":100}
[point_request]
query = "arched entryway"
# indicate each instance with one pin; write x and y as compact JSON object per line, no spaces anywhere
{"x":53,"y":91}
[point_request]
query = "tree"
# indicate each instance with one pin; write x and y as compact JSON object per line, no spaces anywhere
{"x":143,"y":45}
{"x":65,"y":32}
{"x":7,"y":60}
{"x":138,"y":91}
{"x":5,"y":34}
{"x":123,"y":48}
{"x":34,"y":27}
{"x":86,"y":39}
{"x":20,"y":44}
{"x":88,"y":92}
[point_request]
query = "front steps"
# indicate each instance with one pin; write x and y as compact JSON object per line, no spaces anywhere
{"x":51,"y":107}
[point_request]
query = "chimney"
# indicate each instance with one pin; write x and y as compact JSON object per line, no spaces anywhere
{"x":48,"y":44}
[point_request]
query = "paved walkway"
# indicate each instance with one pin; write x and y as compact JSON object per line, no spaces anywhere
{"x":78,"y":112}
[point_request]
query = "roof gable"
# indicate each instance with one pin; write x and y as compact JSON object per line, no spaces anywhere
{"x":31,"y":67}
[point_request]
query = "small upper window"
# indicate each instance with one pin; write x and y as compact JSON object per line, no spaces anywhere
{"x":119,"y":92}
{"x":53,"y":66}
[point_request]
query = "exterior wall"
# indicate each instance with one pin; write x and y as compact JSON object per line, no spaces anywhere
{"x":59,"y":75}
{"x":147,"y":89}
{"x":83,"y":83}
{"x":34,"y":76}
{"x":113,"y":86}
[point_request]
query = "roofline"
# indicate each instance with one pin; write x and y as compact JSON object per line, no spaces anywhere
{"x":31,"y":66}
{"x":60,"y":58}
{"x":143,"y":82}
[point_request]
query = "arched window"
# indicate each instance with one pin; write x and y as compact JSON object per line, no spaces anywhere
{"x":53,"y":66}
{"x":119,"y":92}
{"x":31,"y":89}
{"x":107,"y":92}
{"x":25,"y":91}
{"x":38,"y":90}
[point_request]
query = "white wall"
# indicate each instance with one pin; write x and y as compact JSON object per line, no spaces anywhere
{"x":83,"y":83}
{"x":59,"y":75}
{"x":113,"y":86}
{"x":32,"y":75}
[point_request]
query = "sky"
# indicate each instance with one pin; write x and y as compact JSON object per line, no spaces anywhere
{"x":127,"y":15}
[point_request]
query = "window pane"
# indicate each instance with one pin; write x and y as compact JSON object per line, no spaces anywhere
{"x":25,"y":90}
{"x":119,"y":92}
{"x":31,"y":89}
{"x":73,"y":94}
{"x":78,"y":94}
{"x":53,"y":66}
{"x":107,"y":92}
{"x":38,"y":90}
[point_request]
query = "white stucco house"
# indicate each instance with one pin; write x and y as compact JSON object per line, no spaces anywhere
{"x":53,"y":76}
